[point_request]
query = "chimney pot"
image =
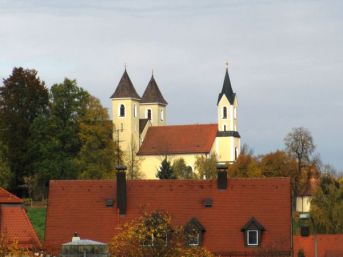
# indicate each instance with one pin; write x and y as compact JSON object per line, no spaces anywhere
{"x":222,"y":171}
{"x":121,"y":189}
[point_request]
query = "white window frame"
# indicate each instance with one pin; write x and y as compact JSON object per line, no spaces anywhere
{"x":257,"y":239}
{"x":235,"y":113}
{"x":198,"y":239}
{"x":135,"y":110}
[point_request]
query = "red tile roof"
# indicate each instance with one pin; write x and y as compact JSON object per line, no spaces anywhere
{"x":328,"y":245}
{"x":179,"y":139}
{"x":16,"y":225}
{"x":79,"y":206}
{"x":14,"y":222}
{"x":7,"y":197}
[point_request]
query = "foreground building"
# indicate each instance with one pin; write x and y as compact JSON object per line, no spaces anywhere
{"x":14,"y":223}
{"x":234,"y":217}
{"x":140,"y":127}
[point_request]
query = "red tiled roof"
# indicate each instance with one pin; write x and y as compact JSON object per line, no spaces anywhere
{"x":329,"y":245}
{"x":7,"y":197}
{"x":179,"y":139}
{"x":79,"y":206}
{"x":16,"y":226}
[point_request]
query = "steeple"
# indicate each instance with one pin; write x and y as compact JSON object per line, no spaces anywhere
{"x":227,"y":89}
{"x":152,"y":93}
{"x":125,"y":88}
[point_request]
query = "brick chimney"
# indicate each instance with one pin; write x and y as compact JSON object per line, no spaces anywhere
{"x":222,"y":171}
{"x":121,"y":189}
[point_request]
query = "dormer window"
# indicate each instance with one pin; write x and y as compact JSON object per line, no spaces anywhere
{"x":122,"y":111}
{"x":224,"y":112}
{"x":252,"y":233}
{"x":194,"y":233}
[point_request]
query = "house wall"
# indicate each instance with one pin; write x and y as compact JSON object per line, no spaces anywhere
{"x":156,"y":119}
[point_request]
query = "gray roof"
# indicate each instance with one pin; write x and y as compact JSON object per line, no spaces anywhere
{"x":152,"y":93}
{"x":227,"y":89}
{"x":125,"y":88}
{"x":84,"y":242}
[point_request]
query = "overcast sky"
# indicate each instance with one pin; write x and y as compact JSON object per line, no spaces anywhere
{"x":285,"y":58}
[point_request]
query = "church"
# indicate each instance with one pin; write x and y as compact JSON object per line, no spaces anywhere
{"x":140,"y":127}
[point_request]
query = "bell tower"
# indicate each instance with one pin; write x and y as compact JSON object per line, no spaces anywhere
{"x":228,"y":138}
{"x":125,"y":111}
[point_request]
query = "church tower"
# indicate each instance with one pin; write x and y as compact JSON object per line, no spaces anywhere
{"x":125,"y":111}
{"x":228,"y":138}
{"x":153,"y":105}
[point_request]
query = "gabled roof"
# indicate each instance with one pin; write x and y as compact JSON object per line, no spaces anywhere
{"x":152,"y":93}
{"x":125,"y":88}
{"x":80,"y":205}
{"x":252,"y":224}
{"x":7,"y":197}
{"x":179,"y":139}
{"x":227,"y":89}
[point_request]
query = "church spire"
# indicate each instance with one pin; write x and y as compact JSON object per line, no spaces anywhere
{"x":227,"y":88}
{"x":125,"y":88}
{"x":152,"y":93}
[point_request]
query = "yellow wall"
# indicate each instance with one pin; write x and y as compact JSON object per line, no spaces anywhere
{"x":225,"y":148}
{"x":231,"y":122}
{"x":126,"y":127}
{"x":151,"y":163}
{"x":156,"y":119}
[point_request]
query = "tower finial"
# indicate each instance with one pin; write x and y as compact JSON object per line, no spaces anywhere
{"x":152,"y":72}
{"x":226,"y":65}
{"x":125,"y":65}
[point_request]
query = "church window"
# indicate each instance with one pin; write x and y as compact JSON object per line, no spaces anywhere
{"x":235,"y":113}
{"x":148,"y":114}
{"x":162,"y":115}
{"x":224,"y":112}
{"x":224,"y":127}
{"x":236,"y":153}
{"x":122,"y":110}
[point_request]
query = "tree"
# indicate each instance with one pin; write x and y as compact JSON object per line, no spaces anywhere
{"x":299,"y":145}
{"x":246,"y":165}
{"x":327,"y":206}
{"x":277,"y":164}
{"x":23,"y":97}
{"x":96,"y":158}
{"x":133,"y":163}
{"x":165,"y":171}
{"x":206,"y":166}
{"x":55,"y":142}
{"x":5,"y":172}
{"x":181,"y":170}
{"x":153,"y":235}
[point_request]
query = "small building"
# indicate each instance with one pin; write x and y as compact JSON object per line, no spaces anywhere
{"x":140,"y":127}
{"x":234,"y":217}
{"x":14,"y":223}
{"x":304,"y":197}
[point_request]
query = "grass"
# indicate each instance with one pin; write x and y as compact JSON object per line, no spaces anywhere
{"x":37,"y":217}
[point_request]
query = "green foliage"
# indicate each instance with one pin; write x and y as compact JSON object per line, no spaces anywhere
{"x":5,"y":172}
{"x":37,"y":216}
{"x":23,"y":97}
{"x":246,"y":165}
{"x":165,"y":171}
{"x":327,"y":206}
{"x":153,"y":235}
{"x":181,"y":170}
{"x":206,"y":166}
{"x":96,"y":158}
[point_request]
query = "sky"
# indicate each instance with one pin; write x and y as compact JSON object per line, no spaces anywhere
{"x":285,"y":58}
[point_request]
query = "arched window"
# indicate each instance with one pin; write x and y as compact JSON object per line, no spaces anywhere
{"x":162,"y":115}
{"x":235,"y":113}
{"x":224,"y":127}
{"x":135,"y":111}
{"x":148,"y":114}
{"x":122,"y":110}
{"x":224,"y":112}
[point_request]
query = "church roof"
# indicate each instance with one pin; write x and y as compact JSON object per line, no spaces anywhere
{"x":80,"y":205}
{"x":152,"y":93}
{"x":125,"y":88}
{"x":227,"y":89}
{"x":179,"y":139}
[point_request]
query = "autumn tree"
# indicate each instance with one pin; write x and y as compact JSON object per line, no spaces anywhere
{"x":246,"y":165}
{"x":96,"y":158}
{"x":327,"y":206}
{"x":182,"y":170}
{"x":133,"y":162}
{"x":23,"y":97}
{"x":277,"y":164}
{"x":206,"y":166}
{"x":165,"y":171}
{"x":153,"y":234}
{"x":5,"y":172}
